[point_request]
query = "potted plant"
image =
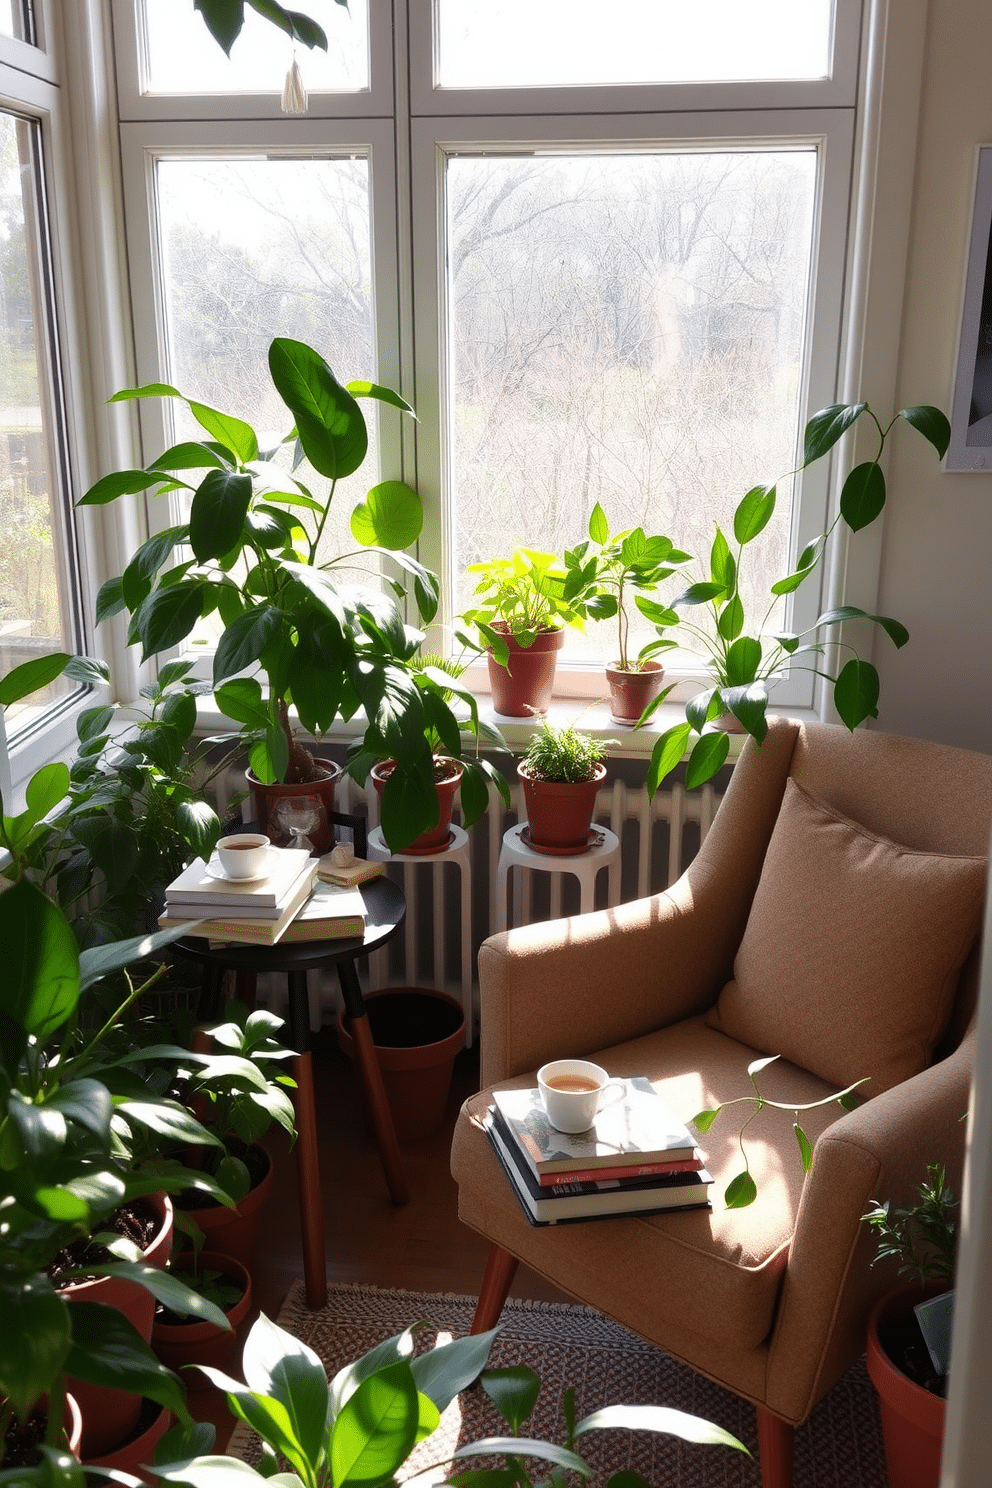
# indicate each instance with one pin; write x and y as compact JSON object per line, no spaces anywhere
{"x":521,"y":617}
{"x":744,"y":662}
{"x":910,"y":1382}
{"x":180,"y":1340}
{"x":561,"y":773}
{"x":612,"y":570}
{"x":362,"y":1426}
{"x":254,"y":552}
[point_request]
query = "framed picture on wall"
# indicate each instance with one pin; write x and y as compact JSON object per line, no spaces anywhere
{"x":971,"y":410}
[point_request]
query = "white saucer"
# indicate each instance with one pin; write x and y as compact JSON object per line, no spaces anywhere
{"x":216,"y":871}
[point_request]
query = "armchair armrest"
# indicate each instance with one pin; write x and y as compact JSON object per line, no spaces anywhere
{"x":880,"y":1151}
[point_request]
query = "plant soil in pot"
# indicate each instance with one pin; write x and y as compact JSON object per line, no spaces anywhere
{"x":24,"y":1439}
{"x":447,"y":779}
{"x":295,"y":814}
{"x":109,"y":1415}
{"x":526,"y":685}
{"x":912,"y":1415}
{"x":181,"y":1341}
{"x":631,"y":689}
{"x":234,"y":1232}
{"x":559,"y":813}
{"x":131,"y":1455}
{"x":416,"y":1032}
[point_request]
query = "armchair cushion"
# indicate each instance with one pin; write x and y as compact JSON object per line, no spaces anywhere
{"x":849,"y":962}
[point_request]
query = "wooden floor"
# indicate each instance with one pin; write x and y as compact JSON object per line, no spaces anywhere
{"x":420,"y":1245}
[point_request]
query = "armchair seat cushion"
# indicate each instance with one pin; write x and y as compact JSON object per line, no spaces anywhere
{"x":852,"y":950}
{"x":712,"y":1272}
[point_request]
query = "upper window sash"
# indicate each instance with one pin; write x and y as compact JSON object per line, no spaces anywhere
{"x":134,"y":104}
{"x":838,"y":89}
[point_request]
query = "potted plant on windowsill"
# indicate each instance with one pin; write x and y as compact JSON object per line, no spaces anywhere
{"x":521,"y":618}
{"x":312,"y":638}
{"x":607,"y":572}
{"x":911,"y":1385}
{"x":561,"y":773}
{"x":744,"y":662}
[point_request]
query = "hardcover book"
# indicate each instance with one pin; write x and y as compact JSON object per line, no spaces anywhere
{"x":611,"y":1198}
{"x":626,"y":1172}
{"x":330,"y":913}
{"x":203,"y":885}
{"x":640,"y":1127}
{"x":245,"y":929}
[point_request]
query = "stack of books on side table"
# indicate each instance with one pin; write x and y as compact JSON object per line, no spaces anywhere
{"x":287,"y":903}
{"x":638,"y":1158}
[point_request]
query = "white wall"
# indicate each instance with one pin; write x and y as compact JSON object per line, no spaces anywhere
{"x":937,"y":544}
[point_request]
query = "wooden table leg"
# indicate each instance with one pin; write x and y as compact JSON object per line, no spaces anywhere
{"x":371,"y":1076}
{"x":307,"y":1162}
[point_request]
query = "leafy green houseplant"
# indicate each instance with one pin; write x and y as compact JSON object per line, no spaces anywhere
{"x":361,"y":1427}
{"x":561,"y":773}
{"x":295,"y":619}
{"x":744,"y":660}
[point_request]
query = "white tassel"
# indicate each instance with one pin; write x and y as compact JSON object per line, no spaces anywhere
{"x":294,"y":94}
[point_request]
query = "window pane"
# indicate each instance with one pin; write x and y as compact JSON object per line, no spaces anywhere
{"x":627,"y":329}
{"x":254,"y":249}
{"x":36,"y":607}
{"x":516,"y":44}
{"x":182,"y":56}
{"x":15,"y":19}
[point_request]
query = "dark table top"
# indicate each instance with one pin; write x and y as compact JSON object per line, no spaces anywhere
{"x":385,"y":909}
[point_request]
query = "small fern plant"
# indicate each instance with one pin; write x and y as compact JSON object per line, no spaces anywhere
{"x":924,"y":1237}
{"x":563,"y":754}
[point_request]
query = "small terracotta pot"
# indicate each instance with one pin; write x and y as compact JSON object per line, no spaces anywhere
{"x":193,"y":1342}
{"x":234,"y":1232}
{"x":631,"y":691}
{"x":109,"y":1415}
{"x":525,"y":687}
{"x":559,"y":814}
{"x":416,"y":1032}
{"x":436,"y":839}
{"x":912,"y":1417}
{"x":277,"y":807}
{"x":133,"y":1454}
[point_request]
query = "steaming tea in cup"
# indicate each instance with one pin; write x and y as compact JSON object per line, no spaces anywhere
{"x":573,"y":1090}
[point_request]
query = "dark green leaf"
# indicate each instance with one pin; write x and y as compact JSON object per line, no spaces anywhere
{"x":34,"y":1340}
{"x":88,"y":670}
{"x":931,"y":423}
{"x":753,"y":513}
{"x":297,"y":25}
{"x":223,"y":19}
{"x":188,"y":456}
{"x":855,"y":693}
{"x":40,"y":985}
{"x":217,"y":513}
{"x":513,"y":1391}
{"x":120,"y":483}
{"x":894,"y":629}
{"x":32,"y":675}
{"x":198,"y":826}
{"x":863,"y":495}
{"x":708,"y":755}
{"x":826,"y":427}
{"x":805,"y":1147}
{"x":723,"y":569}
{"x":730,"y":621}
{"x":740,"y":1192}
{"x":46,"y":788}
{"x":700,"y":593}
{"x":241,"y":698}
{"x":742,"y":661}
{"x":245,"y":639}
{"x":166,"y":617}
{"x":232,"y":433}
{"x":668,"y":752}
{"x":108,"y":1350}
{"x":110,"y":600}
{"x":748,"y":704}
{"x":330,"y":423}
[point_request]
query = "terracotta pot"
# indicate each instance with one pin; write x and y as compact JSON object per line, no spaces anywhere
{"x":417,"y":1032}
{"x":631,"y":691}
{"x":132,"y":1455}
{"x":278,"y":808}
{"x":193,"y":1342}
{"x":559,"y":815}
{"x":436,"y":839}
{"x":526,"y":686}
{"x":72,"y":1421}
{"x":912,"y":1417}
{"x":234,"y":1232}
{"x":109,"y":1415}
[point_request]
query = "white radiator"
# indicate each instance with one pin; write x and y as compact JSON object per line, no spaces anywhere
{"x":658,"y":840}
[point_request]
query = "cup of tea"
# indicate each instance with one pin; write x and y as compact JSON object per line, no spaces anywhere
{"x":573,"y":1090}
{"x":243,"y":854}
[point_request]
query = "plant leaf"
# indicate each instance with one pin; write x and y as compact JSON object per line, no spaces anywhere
{"x":708,"y":755}
{"x":856,"y":693}
{"x":391,"y":516}
{"x":740,"y":1192}
{"x":863,"y":495}
{"x":931,"y":423}
{"x":826,"y":427}
{"x":660,"y":1418}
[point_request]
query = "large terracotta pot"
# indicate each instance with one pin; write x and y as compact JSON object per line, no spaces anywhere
{"x":559,"y":814}
{"x":437,"y":838}
{"x":279,"y":808}
{"x":234,"y":1232}
{"x":526,"y":685}
{"x":416,"y":1032}
{"x":193,"y":1342}
{"x":139,"y":1448}
{"x":110,"y":1415}
{"x":912,"y":1417}
{"x":631,"y":691}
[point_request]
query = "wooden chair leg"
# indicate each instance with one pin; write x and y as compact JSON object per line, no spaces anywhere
{"x":500,"y":1270}
{"x":776,"y":1449}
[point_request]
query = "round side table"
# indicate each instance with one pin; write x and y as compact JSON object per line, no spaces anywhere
{"x":584,"y":866}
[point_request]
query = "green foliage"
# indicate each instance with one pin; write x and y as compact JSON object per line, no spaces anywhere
{"x":563,"y":753}
{"x":225,"y":18}
{"x":924,"y":1237}
{"x":360,"y":1428}
{"x":528,"y":593}
{"x":745,"y":663}
{"x":742,"y":1189}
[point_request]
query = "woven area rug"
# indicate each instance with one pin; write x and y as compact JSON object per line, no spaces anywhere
{"x":839,"y":1447}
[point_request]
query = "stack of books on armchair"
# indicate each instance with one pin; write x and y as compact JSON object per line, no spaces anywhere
{"x":286,"y":904}
{"x":638,"y":1158}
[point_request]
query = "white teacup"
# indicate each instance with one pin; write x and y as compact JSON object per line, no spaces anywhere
{"x":243,"y":854}
{"x":573,"y":1091}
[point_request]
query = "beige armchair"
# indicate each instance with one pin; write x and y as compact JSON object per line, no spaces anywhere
{"x":830,"y":917}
